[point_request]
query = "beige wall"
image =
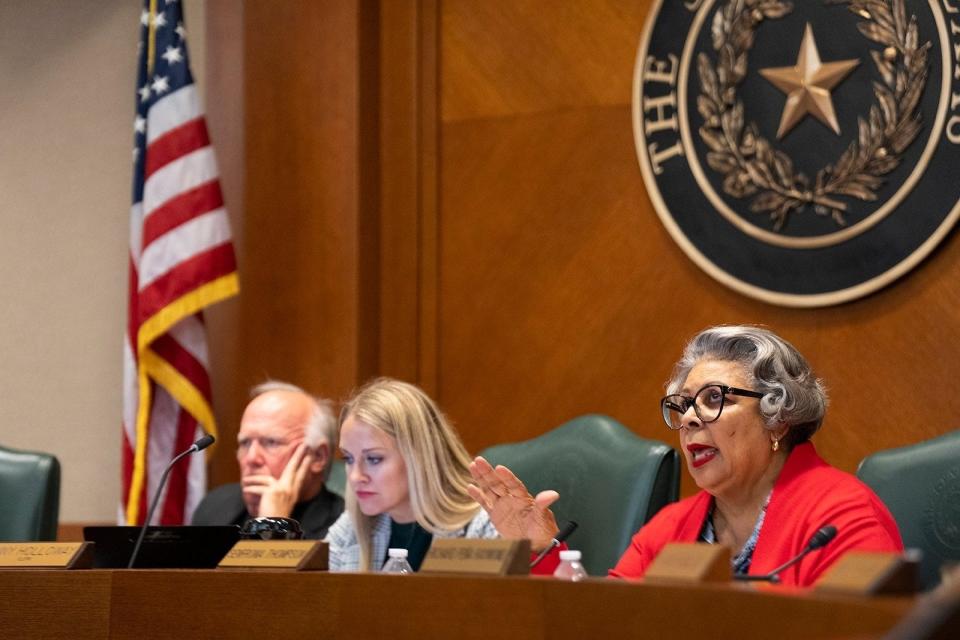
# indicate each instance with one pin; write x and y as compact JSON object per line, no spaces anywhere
{"x":67,"y":74}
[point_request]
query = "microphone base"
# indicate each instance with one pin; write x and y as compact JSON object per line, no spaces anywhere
{"x":742,"y":577}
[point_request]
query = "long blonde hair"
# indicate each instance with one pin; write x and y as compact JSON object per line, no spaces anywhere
{"x":437,"y":462}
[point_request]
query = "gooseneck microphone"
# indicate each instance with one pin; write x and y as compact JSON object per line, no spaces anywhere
{"x":202,"y":443}
{"x":564,"y":533}
{"x":818,"y":540}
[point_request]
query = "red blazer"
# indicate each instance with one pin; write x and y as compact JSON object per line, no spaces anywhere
{"x":807,"y":495}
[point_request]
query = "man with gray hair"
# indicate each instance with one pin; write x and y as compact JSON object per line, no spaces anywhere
{"x":284,"y":449}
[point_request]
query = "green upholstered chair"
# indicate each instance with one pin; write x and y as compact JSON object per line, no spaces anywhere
{"x":29,"y":495}
{"x":337,"y":482}
{"x":610,"y":481}
{"x":920,"y":484}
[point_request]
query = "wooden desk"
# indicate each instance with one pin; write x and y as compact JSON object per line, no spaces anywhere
{"x":144,"y":604}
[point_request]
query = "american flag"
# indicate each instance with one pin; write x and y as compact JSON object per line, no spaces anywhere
{"x":181,"y":261}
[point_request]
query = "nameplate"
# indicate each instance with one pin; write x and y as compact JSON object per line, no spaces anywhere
{"x":691,"y":562}
{"x":871,"y":573}
{"x":484,"y":557}
{"x":46,"y":555}
{"x":301,"y":555}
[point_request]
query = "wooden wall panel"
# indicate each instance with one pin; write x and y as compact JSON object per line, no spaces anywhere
{"x":447,"y":191}
{"x":504,"y":58}
{"x":302,"y":78}
{"x":519,"y":353}
{"x":304,"y":303}
{"x":561,"y":293}
{"x":400,"y":149}
{"x":408,"y":179}
{"x":225,"y":111}
{"x":300,"y":305}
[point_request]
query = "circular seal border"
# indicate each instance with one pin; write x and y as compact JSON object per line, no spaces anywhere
{"x":778,"y":298}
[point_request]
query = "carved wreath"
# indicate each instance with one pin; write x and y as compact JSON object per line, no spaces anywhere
{"x":752,"y":167}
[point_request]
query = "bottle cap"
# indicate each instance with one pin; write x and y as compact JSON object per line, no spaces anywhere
{"x":569,"y":554}
{"x":401,"y":553}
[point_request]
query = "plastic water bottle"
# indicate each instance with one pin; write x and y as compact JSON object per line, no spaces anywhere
{"x":397,"y":562}
{"x":570,"y":567}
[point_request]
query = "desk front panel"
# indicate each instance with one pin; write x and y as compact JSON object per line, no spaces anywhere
{"x":239,"y":604}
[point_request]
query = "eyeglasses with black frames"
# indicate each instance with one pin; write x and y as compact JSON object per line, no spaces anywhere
{"x":707,"y":403}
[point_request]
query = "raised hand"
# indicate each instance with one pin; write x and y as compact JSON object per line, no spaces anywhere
{"x":278,"y":496}
{"x":514,"y":512}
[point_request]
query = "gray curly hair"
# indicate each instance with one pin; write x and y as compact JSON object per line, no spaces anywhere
{"x":792,"y":394}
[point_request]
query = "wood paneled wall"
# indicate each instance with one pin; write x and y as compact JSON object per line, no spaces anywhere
{"x":447,"y":191}
{"x":306,"y":94}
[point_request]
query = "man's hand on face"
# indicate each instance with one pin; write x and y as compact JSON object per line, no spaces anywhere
{"x":278,"y":496}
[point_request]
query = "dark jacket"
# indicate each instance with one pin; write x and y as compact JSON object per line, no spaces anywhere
{"x":224,"y":505}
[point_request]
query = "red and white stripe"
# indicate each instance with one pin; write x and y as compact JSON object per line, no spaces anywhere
{"x":179,"y":241}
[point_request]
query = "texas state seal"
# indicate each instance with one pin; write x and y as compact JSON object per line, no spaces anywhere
{"x":803,"y":153}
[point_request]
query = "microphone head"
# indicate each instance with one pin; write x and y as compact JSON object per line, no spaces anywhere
{"x":204,"y":442}
{"x":823,"y":535}
{"x":569,"y":528}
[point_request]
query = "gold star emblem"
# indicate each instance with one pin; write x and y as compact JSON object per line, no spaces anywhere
{"x":808,"y":85}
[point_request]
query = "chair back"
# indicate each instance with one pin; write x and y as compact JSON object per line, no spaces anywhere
{"x":29,"y":495}
{"x":337,"y":481}
{"x":920,"y":484}
{"x":610,"y":481}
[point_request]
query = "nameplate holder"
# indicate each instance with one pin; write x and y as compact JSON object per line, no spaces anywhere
{"x":691,"y":562}
{"x":481,"y":557}
{"x":871,"y":573}
{"x":297,"y":555}
{"x":46,"y":555}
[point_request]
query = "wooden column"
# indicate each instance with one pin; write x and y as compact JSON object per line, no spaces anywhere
{"x":301,"y":173}
{"x":408,"y":107}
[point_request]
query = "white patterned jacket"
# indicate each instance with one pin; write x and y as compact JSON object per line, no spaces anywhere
{"x":345,"y":549}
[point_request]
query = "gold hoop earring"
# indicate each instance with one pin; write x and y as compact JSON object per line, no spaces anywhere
{"x":776,"y":445}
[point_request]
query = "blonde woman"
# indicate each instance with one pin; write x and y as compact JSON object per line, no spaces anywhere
{"x":407,"y":483}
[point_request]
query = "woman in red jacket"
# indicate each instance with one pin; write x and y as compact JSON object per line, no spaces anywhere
{"x":745,"y":404}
